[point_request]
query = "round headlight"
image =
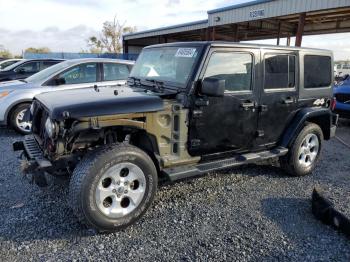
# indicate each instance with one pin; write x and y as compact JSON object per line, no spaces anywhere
{"x":50,"y":127}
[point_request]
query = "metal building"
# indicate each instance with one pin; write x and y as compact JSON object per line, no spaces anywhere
{"x":254,"y":20}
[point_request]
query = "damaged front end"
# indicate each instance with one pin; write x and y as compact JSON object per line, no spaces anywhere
{"x":33,"y":163}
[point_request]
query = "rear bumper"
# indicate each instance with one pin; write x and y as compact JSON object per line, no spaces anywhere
{"x":342,"y":113}
{"x":334,"y":124}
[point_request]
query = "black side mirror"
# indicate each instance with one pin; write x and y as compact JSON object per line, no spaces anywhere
{"x":60,"y":81}
{"x":213,"y":87}
{"x":21,"y":71}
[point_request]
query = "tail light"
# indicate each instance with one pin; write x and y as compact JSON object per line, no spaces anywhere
{"x":333,"y":103}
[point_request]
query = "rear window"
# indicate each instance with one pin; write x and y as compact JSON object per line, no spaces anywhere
{"x":317,"y":71}
{"x":279,"y":71}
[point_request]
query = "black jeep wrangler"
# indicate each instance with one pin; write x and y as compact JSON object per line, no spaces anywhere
{"x":188,"y":109}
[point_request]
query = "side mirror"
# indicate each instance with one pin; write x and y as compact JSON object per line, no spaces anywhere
{"x":213,"y":87}
{"x":21,"y":71}
{"x":60,"y":81}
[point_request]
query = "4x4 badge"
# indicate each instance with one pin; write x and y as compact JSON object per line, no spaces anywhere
{"x":319,"y":102}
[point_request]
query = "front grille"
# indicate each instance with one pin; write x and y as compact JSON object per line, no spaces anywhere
{"x":40,"y":116}
{"x":343,"y":98}
{"x":32,"y":148}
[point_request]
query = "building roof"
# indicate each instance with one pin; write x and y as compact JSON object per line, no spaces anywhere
{"x":236,"y":6}
{"x":246,"y":12}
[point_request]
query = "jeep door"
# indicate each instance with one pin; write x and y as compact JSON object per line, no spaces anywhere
{"x":278,"y":96}
{"x":226,"y":123}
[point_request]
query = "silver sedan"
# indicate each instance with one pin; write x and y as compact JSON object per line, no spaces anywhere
{"x":16,"y":96}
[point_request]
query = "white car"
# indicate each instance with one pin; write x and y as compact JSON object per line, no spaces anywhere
{"x":8,"y":62}
{"x":16,"y":96}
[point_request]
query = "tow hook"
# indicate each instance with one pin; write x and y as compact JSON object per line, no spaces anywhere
{"x":324,"y":210}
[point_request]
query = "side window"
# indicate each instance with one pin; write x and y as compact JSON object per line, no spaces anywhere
{"x":279,"y":71}
{"x":113,"y":71}
{"x":47,"y":64}
{"x":235,"y":68}
{"x":317,"y":71}
{"x":85,"y":73}
{"x":30,"y":67}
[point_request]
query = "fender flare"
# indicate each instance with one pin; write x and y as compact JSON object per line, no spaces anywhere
{"x":320,"y":116}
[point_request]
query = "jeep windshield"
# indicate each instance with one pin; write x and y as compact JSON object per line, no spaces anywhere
{"x":165,"y":67}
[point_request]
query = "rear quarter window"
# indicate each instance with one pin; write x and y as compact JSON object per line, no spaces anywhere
{"x":317,"y":71}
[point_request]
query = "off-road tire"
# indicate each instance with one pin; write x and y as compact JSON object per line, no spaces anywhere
{"x":290,"y":162}
{"x":86,"y":177}
{"x":13,"y":115}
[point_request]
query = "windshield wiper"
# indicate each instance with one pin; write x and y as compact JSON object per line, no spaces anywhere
{"x":23,"y":80}
{"x":157,"y":85}
{"x":133,"y":81}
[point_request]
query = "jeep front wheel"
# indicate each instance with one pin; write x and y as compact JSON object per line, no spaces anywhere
{"x":112,"y":187}
{"x":304,"y":153}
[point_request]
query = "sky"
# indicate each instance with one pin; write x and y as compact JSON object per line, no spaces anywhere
{"x":65,"y":25}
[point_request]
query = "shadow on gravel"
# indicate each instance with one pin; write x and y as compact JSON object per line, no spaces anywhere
{"x":294,"y":218}
{"x":45,"y":215}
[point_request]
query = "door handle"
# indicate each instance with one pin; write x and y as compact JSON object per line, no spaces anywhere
{"x":247,"y":105}
{"x":288,"y":100}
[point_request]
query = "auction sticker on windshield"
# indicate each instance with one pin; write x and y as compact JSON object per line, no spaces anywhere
{"x":185,"y":52}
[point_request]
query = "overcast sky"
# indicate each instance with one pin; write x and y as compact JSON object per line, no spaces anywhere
{"x":64,"y":25}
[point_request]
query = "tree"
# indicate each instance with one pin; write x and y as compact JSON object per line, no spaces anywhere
{"x":40,"y":50}
{"x":4,"y":53}
{"x":110,"y":39}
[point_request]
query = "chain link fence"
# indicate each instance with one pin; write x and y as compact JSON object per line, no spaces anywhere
{"x":65,"y":55}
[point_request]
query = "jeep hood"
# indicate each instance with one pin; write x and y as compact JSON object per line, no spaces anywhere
{"x":87,"y":102}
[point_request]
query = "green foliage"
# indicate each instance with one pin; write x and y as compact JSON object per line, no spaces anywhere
{"x":40,"y":50}
{"x":4,"y":53}
{"x":110,"y":39}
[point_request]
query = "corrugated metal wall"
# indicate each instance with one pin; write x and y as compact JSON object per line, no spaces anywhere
{"x":273,"y":9}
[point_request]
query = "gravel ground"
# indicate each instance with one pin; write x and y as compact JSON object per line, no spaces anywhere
{"x":247,"y":213}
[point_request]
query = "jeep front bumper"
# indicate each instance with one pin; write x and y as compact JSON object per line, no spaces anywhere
{"x":32,"y":158}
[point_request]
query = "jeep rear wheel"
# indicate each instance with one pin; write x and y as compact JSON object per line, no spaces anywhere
{"x":112,"y":187}
{"x":304,"y":153}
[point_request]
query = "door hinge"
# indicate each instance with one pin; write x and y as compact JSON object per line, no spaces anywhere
{"x":260,"y":133}
{"x":195,"y":143}
{"x":197,"y":113}
{"x":201,"y":102}
{"x":263,"y":108}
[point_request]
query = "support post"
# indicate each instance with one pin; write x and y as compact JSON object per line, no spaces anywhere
{"x":207,"y":34}
{"x":288,"y":40}
{"x":213,"y":34}
{"x":235,"y":33}
{"x":279,"y":32}
{"x":300,"y":31}
{"x":125,"y":47}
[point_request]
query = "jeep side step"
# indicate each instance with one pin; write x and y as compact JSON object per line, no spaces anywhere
{"x":182,"y":172}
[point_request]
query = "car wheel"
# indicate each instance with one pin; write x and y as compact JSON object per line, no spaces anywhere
{"x":112,"y":187}
{"x":305,"y":152}
{"x":17,"y":121}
